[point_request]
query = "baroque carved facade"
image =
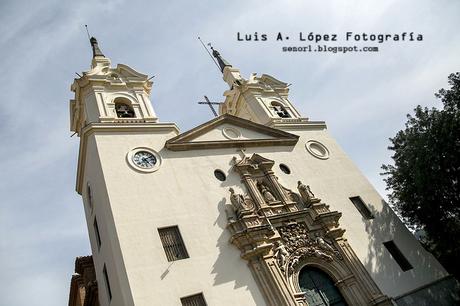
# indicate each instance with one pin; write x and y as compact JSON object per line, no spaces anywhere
{"x":280,"y":231}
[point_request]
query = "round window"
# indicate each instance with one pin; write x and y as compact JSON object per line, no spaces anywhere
{"x":220,"y":175}
{"x":231,"y":133}
{"x":317,"y":149}
{"x":285,"y":169}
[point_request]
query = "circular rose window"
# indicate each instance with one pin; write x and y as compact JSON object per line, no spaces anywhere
{"x":317,"y":149}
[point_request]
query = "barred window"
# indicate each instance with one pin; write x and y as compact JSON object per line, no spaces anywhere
{"x":172,"y":243}
{"x":193,"y":300}
{"x":361,"y":207}
{"x":397,"y":255}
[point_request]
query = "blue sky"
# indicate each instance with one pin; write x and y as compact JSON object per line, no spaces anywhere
{"x":363,"y":97}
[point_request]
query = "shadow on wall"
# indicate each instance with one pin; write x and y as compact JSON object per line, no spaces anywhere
{"x":377,"y":255}
{"x":229,"y":266}
{"x":386,"y":271}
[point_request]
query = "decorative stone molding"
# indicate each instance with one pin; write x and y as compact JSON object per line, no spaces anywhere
{"x":298,"y":244}
{"x":279,"y":231}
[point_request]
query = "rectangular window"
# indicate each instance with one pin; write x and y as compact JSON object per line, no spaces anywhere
{"x":361,"y":207}
{"x":172,"y":243}
{"x":89,"y":197}
{"x":193,"y":300}
{"x":398,"y":255}
{"x":98,"y":236}
{"x":107,"y":283}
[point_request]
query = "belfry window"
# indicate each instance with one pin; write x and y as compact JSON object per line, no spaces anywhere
{"x":319,"y":288}
{"x":124,"y":110}
{"x":280,"y":110}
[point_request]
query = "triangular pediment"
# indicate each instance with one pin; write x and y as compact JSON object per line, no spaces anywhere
{"x":228,"y":131}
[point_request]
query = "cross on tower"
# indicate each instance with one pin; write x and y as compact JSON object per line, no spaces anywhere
{"x":210,"y":104}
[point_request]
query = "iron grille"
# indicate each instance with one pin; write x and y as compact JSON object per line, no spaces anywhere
{"x":172,"y":243}
{"x":193,"y":300}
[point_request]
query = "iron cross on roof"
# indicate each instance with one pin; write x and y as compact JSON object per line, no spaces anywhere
{"x":210,"y":104}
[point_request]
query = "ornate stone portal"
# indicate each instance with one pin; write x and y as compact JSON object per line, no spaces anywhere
{"x":279,"y":232}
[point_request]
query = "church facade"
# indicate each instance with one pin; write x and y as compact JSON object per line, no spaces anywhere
{"x":259,"y":206}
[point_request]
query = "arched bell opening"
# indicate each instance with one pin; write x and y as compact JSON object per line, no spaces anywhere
{"x":280,"y":110}
{"x":123,"y":108}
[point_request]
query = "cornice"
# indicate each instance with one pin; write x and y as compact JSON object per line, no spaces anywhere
{"x":292,"y":124}
{"x":201,"y":145}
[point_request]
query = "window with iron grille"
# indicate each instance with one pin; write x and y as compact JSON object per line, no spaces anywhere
{"x":361,"y":207}
{"x":397,"y":255}
{"x":193,"y":300}
{"x":172,"y":243}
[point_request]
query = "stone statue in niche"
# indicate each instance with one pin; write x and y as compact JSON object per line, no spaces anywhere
{"x":281,"y":254}
{"x":240,"y":202}
{"x":305,"y":192}
{"x":268,"y":196}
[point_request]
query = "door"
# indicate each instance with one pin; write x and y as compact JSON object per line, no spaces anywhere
{"x":319,"y":288}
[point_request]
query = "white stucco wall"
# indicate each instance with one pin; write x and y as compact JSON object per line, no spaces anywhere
{"x":184,"y":192}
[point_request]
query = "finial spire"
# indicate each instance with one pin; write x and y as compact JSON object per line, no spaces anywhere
{"x":95,"y":46}
{"x":222,"y":62}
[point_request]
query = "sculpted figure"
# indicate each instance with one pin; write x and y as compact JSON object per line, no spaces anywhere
{"x":266,"y":194}
{"x":305,"y":192}
{"x":294,"y":261}
{"x":236,"y":199}
{"x":323,"y":244}
{"x":323,"y":255}
{"x":281,"y":254}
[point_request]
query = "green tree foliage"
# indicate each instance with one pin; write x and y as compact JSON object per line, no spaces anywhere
{"x":424,"y":180}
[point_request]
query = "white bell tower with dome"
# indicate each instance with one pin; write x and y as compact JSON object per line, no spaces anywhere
{"x":110,"y":94}
{"x":261,"y":99}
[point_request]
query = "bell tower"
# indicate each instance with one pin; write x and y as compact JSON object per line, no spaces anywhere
{"x":120,"y":139}
{"x":110,"y":94}
{"x":261,"y":99}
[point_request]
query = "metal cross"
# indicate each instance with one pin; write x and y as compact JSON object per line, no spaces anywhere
{"x":210,"y":104}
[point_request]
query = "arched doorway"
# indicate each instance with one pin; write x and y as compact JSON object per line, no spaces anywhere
{"x":319,"y":288}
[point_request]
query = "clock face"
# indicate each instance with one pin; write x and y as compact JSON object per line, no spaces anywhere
{"x":144,"y":159}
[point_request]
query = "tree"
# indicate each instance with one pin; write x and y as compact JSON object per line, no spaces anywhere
{"x":424,"y":180}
